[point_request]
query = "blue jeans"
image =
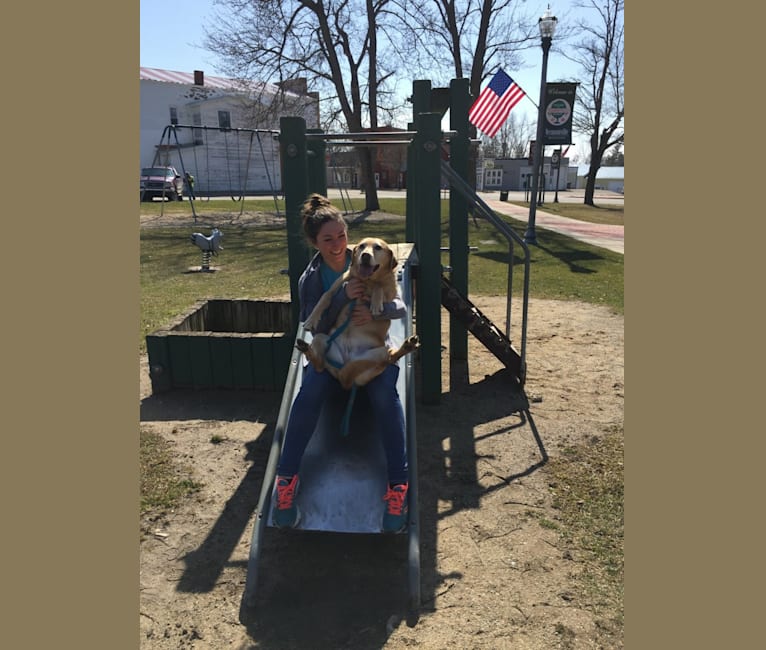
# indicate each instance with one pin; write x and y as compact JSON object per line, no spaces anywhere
{"x":386,"y":409}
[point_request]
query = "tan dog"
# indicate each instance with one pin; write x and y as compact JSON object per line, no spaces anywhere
{"x":359,"y":353}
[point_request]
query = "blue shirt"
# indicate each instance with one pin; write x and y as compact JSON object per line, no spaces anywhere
{"x":329,"y":276}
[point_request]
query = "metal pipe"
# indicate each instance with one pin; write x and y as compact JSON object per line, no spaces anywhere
{"x":366,"y":143}
{"x":365,"y":135}
{"x":218,"y":128}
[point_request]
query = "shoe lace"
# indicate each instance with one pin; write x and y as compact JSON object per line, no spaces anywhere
{"x":285,"y":494}
{"x":395,"y":499}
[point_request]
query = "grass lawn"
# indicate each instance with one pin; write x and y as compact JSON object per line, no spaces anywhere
{"x":607,"y":214}
{"x":561,"y":268}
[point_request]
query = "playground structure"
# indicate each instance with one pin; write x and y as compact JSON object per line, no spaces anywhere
{"x":209,"y":245}
{"x":343,"y":478}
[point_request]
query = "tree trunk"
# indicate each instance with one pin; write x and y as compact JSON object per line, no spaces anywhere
{"x":590,"y":183}
{"x":368,"y":179}
{"x":590,"y":186}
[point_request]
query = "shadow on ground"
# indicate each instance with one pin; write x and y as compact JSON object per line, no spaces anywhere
{"x":330,"y":590}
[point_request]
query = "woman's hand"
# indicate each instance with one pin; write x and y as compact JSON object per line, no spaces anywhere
{"x":354,"y":288}
{"x":361,"y":314}
{"x":355,"y":291}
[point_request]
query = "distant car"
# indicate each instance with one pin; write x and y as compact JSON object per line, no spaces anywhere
{"x":161,"y":181}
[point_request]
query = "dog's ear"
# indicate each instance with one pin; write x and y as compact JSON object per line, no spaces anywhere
{"x":394,"y":261}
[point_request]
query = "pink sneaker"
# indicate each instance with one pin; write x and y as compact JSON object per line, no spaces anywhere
{"x":287,"y":514}
{"x":395,"y":517}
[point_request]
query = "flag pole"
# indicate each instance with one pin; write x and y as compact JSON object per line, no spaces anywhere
{"x":529,"y":98}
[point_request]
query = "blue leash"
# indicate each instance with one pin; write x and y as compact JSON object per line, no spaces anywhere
{"x":346,"y":422}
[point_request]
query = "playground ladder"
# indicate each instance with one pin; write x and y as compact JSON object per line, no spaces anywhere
{"x":482,"y":328}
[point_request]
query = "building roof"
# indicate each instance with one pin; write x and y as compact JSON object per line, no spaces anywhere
{"x":187,"y":78}
{"x":220,"y":83}
{"x":604,"y":173}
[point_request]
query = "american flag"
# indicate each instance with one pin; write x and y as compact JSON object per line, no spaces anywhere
{"x":491,"y":108}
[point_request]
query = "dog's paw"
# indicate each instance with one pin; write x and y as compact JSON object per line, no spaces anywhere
{"x":412,"y":343}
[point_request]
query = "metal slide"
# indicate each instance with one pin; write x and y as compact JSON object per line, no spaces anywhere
{"x":343,"y":478}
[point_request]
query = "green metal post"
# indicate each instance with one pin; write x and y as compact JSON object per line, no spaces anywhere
{"x":293,"y":150}
{"x":458,"y":210}
{"x":421,"y":101}
{"x":428,"y":208}
{"x":410,"y":224}
{"x":317,"y":166}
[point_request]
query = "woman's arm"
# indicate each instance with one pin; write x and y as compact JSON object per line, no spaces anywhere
{"x":310,"y":291}
{"x":392,"y":310}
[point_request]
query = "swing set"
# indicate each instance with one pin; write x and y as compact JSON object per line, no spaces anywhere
{"x":222,"y":161}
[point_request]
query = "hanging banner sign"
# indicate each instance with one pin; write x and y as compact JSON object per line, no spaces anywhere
{"x":559,"y":106}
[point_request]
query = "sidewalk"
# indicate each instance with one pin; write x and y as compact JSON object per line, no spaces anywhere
{"x":611,"y":237}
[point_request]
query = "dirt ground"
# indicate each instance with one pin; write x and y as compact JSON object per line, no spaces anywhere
{"x":492,"y":577}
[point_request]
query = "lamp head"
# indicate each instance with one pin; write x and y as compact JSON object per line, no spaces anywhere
{"x":547,"y":24}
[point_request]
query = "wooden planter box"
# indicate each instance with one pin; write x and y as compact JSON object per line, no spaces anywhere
{"x":223,"y":344}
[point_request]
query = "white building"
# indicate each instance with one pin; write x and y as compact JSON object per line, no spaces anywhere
{"x":607,"y":178}
{"x":218,"y":129}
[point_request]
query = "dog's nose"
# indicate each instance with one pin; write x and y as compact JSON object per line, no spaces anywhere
{"x":366,"y":258}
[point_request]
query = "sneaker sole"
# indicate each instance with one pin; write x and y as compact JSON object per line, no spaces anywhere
{"x":393,"y":532}
{"x":401,"y":529}
{"x":295,"y":525}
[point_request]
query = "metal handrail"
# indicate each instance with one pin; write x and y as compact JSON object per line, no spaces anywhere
{"x":470,"y":195}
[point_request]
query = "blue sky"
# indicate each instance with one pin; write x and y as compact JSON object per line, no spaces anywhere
{"x":172,"y":41}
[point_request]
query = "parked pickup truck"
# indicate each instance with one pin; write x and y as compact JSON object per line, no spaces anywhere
{"x":161,"y":182}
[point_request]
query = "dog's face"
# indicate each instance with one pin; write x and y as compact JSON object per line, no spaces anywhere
{"x":372,"y":257}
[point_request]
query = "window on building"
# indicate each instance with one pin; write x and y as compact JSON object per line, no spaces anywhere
{"x":197,"y":121}
{"x":173,"y":115}
{"x":224,"y":119}
{"x":493,"y":177}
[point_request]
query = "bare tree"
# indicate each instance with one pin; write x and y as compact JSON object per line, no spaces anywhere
{"x":335,"y":44}
{"x":600,"y":105}
{"x":444,"y":39}
{"x":614,"y":158}
{"x":355,"y":51}
{"x":511,"y":140}
{"x":448,"y":38}
{"x":515,"y":135}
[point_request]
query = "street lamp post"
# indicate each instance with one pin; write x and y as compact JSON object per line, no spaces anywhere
{"x":547,"y":25}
